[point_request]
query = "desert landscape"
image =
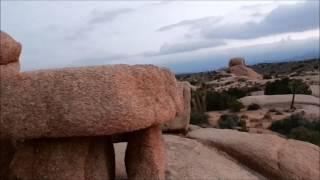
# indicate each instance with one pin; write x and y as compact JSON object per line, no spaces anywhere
{"x":233,"y":123}
{"x":160,"y":90}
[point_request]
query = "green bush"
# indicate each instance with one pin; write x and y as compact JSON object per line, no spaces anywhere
{"x":235,"y":106}
{"x":232,"y":121}
{"x":198,"y":118}
{"x":253,"y":107}
{"x":236,"y":92}
{"x":298,"y":127}
{"x":282,"y":86}
{"x":228,"y":121}
{"x":222,"y":101}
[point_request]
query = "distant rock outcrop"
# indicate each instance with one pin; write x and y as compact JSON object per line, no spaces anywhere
{"x":237,"y":66}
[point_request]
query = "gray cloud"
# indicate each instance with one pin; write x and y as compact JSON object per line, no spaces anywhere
{"x":193,"y":24}
{"x":107,"y":16}
{"x":181,"y":47}
{"x":101,"y":60}
{"x":97,"y":18}
{"x":287,"y":18}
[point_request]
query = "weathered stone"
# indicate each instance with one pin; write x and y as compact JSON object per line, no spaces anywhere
{"x":145,"y":155}
{"x":10,"y":49}
{"x":237,"y":61}
{"x":244,"y":71}
{"x":89,"y":101}
{"x":7,"y":150}
{"x":64,"y":158}
{"x":9,"y":71}
{"x":270,"y":155}
{"x":181,"y":122}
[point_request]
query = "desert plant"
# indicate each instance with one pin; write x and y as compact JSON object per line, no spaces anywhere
{"x":283,"y":86}
{"x":197,"y":118}
{"x":298,"y":127}
{"x":235,"y":106}
{"x":232,"y":121}
{"x":253,"y":106}
{"x":228,"y":121}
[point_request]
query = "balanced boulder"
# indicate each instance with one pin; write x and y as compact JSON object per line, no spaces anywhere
{"x":65,"y":119}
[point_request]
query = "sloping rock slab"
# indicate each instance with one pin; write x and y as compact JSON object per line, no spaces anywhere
{"x":189,"y":159}
{"x":269,"y":155}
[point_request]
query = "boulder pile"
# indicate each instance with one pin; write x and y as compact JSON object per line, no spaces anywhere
{"x":237,"y":66}
{"x":65,"y":119}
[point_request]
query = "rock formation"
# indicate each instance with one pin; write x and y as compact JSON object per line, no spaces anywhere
{"x":67,"y":117}
{"x":272,"y":156}
{"x":181,"y":122}
{"x":237,"y":66}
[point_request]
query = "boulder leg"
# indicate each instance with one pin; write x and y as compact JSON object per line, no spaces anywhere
{"x":145,"y":155}
{"x":64,"y":159}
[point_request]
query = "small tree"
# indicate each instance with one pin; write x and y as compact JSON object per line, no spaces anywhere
{"x":295,"y":86}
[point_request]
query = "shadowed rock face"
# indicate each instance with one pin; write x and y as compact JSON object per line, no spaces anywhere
{"x":10,"y":49}
{"x":181,"y":122}
{"x":88,"y":101}
{"x":64,"y":159}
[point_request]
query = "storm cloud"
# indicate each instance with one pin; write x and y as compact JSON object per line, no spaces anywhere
{"x":286,"y":18}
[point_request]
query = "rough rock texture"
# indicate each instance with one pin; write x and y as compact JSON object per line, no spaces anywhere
{"x":69,"y":159}
{"x":240,"y":70}
{"x":237,"y":66}
{"x":145,"y":155}
{"x":9,"y":70}
{"x":270,"y":155}
{"x":10,"y":49}
{"x":191,"y":160}
{"x":88,"y":101}
{"x":181,"y":122}
{"x":237,"y":61}
{"x":7,"y":150}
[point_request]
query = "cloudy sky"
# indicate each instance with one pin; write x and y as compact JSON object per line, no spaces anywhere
{"x":186,"y":36}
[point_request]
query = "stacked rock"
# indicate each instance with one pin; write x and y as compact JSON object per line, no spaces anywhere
{"x":67,"y":119}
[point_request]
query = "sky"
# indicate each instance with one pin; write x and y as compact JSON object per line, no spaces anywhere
{"x":185,"y":36}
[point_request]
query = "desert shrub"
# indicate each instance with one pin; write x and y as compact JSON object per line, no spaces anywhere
{"x":267,"y":76}
{"x":228,"y":121}
{"x":222,"y":101}
{"x":298,"y":127}
{"x":235,"y":106}
{"x":197,"y":118}
{"x":232,"y":121}
{"x":283,"y":87}
{"x":237,"y":92}
{"x":253,"y":106}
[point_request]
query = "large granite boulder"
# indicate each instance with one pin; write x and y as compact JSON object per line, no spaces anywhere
{"x":10,"y":49}
{"x":88,"y":101}
{"x":237,"y":61}
{"x":270,"y":155}
{"x":64,"y":119}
